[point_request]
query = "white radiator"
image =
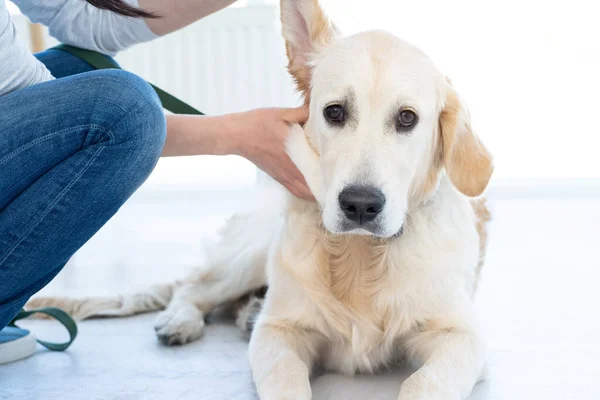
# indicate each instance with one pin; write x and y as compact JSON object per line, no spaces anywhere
{"x":233,"y":60}
{"x":230,"y":61}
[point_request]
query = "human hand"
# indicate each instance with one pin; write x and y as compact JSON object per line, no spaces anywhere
{"x":264,"y":144}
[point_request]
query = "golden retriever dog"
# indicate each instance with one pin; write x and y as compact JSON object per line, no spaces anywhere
{"x":385,"y":264}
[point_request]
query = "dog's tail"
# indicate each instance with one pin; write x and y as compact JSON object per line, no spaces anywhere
{"x":154,"y":298}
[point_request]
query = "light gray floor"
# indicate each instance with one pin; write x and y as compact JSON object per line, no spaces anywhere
{"x":538,"y":304}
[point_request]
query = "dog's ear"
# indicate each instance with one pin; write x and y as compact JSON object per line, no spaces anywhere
{"x":306,"y":29}
{"x":467,"y":161}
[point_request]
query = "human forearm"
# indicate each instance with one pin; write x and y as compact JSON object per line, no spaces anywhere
{"x":189,"y":135}
{"x":175,"y":14}
{"x":258,"y":135}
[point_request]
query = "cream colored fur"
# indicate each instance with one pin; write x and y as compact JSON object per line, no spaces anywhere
{"x":352,"y":301}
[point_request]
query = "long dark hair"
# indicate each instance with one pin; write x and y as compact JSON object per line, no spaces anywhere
{"x":122,"y":8}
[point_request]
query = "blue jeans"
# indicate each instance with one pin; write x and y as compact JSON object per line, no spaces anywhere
{"x":72,"y":151}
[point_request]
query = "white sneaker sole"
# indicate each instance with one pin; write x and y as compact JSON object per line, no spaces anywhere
{"x":17,"y":349}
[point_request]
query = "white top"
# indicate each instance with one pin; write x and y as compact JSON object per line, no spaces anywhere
{"x":73,"y":22}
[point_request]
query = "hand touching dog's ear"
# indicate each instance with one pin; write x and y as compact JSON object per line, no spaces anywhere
{"x":265,"y":143}
{"x":467,"y":161}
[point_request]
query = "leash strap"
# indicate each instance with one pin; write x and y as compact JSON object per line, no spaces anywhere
{"x":61,"y":316}
{"x":100,"y":61}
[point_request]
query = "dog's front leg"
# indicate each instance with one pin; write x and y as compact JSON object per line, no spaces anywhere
{"x":453,"y":360}
{"x":281,"y":359}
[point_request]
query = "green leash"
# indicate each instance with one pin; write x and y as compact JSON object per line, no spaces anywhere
{"x":60,"y":316}
{"x":100,"y":61}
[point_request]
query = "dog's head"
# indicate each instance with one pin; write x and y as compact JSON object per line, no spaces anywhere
{"x":384,"y":121}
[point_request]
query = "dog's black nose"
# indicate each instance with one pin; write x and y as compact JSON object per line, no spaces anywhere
{"x":361,"y":204}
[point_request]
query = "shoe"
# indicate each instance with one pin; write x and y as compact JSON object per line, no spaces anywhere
{"x":15,"y":344}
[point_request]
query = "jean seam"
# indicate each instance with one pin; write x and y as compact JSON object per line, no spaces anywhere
{"x":60,"y":196}
{"x":50,"y":136}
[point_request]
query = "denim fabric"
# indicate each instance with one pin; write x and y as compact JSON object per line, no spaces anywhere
{"x":72,"y":151}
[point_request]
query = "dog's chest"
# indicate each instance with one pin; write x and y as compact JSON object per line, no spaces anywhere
{"x":368,"y":338}
{"x":371,"y":310}
{"x":365,"y":295}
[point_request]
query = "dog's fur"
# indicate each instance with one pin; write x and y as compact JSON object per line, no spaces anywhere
{"x":352,"y":298}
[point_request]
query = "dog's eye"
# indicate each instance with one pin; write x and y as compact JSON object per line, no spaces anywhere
{"x":406,"y":119}
{"x":335,"y":113}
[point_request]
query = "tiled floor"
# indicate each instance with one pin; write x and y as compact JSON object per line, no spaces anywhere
{"x":539,"y":307}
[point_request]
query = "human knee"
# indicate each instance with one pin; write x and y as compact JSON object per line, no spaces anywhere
{"x":142,"y":124}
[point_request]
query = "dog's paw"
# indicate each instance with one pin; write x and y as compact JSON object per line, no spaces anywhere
{"x":415,"y":388}
{"x":179,"y":326}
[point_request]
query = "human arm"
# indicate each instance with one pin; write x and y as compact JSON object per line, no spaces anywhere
{"x":78,"y":23}
{"x":176,"y":14}
{"x":23,"y":69}
{"x":258,"y":135}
